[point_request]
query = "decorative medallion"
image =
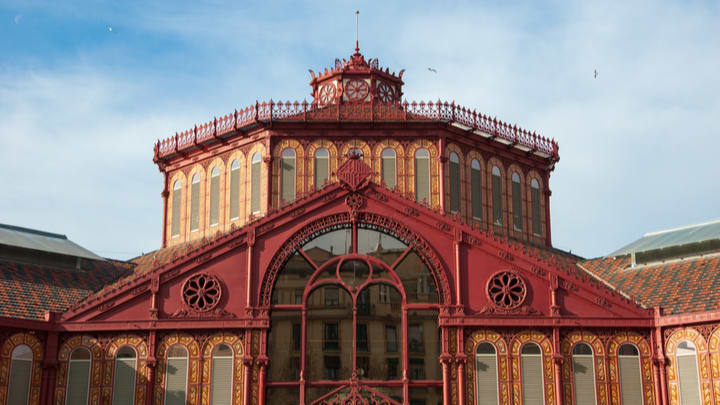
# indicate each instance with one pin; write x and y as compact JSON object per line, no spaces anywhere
{"x":327,"y":93}
{"x":201,"y":292}
{"x":507,"y":290}
{"x":357,"y":90}
{"x":385,"y":93}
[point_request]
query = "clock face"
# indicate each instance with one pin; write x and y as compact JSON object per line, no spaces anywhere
{"x":357,"y":90}
{"x":385,"y":92}
{"x":327,"y":93}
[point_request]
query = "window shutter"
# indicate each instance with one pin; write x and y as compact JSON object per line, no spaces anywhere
{"x":288,"y":178}
{"x":19,"y":389}
{"x":476,"y":186}
{"x":176,"y":381}
{"x":517,"y":206}
{"x":195,"y":207}
{"x":388,"y":172}
{"x":630,"y":380}
{"x":487,"y":384}
{"x":532,"y":380}
{"x":422,"y":180}
{"x":124,"y":384}
{"x":584,"y":378}
{"x":255,"y":188}
{"x":497,"y":199}
{"x":176,"y":208}
{"x":688,"y":380}
{"x":222,"y":376}
{"x":321,"y":171}
{"x":78,"y":382}
{"x":214,"y":199}
{"x":234,"y":193}
{"x":535,"y":197}
{"x":454,"y":187}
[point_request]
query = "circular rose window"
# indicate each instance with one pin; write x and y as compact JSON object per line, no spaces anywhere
{"x":506,"y":290}
{"x":201,"y":292}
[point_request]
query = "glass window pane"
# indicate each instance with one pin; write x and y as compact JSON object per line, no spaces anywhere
{"x":322,"y":167}
{"x":380,"y":245}
{"x":328,"y":245}
{"x":354,"y":272}
{"x":291,"y":278}
{"x":283,"y":395}
{"x":383,"y":324}
{"x":583,"y":374}
{"x":454,"y":182}
{"x":417,"y":280}
{"x":424,"y":343}
{"x":287,"y":180}
{"x":176,"y":207}
{"x":214,"y":196}
{"x":78,"y":377}
{"x":195,"y":203}
{"x":476,"y":185}
{"x":517,"y":202}
{"x":235,"y":190}
{"x":284,"y":326}
{"x":497,"y":196}
{"x":535,"y":202}
{"x":222,"y":375}
{"x":422,"y":176}
{"x":124,"y":379}
{"x":20,"y":375}
{"x":255,"y":184}
{"x":388,"y":168}
{"x":630,"y":376}
{"x":329,"y":336}
{"x":532,"y":377}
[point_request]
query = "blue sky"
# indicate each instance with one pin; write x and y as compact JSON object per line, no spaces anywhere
{"x":81,"y":107}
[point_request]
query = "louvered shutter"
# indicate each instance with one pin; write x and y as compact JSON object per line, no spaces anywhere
{"x":214,"y":199}
{"x":234,"y":193}
{"x":78,"y":382}
{"x":497,"y":200}
{"x":388,"y":172}
{"x":517,"y":205}
{"x":255,"y":188}
{"x":422,"y":180}
{"x":532,"y":380}
{"x":487,"y":383}
{"x":688,"y":380}
{"x":19,"y":389}
{"x":535,"y":197}
{"x":321,"y":171}
{"x":584,"y":379}
{"x":124,"y":384}
{"x":476,"y":186}
{"x":288,"y":178}
{"x":222,"y":376}
{"x":195,"y":207}
{"x":630,"y":380}
{"x":176,"y":381}
{"x":176,"y":207}
{"x":454,"y":187}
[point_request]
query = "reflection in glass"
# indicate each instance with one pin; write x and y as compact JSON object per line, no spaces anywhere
{"x":283,"y":395}
{"x":380,"y":245}
{"x":354,"y":272}
{"x":416,"y":278}
{"x":424,"y":341}
{"x":329,"y":245}
{"x":292,"y":278}
{"x":329,"y":336}
{"x":281,"y":349}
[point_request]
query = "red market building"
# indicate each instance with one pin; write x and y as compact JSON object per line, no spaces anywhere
{"x":359,"y":249}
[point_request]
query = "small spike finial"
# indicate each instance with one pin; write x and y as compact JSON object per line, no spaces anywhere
{"x":357,"y":22}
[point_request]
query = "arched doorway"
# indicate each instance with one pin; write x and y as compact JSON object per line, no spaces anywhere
{"x":354,"y":315}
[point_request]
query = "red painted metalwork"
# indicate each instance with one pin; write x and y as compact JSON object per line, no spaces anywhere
{"x":202,"y":292}
{"x":506,"y":289}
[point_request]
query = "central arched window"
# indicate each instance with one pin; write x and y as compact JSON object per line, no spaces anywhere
{"x":176,"y":375}
{"x":124,"y":380}
{"x":255,"y":183}
{"x":353,"y":302}
{"x":486,"y":372}
{"x":532,"y":375}
{"x":322,"y":167}
{"x":687,"y":369}
{"x":214,"y":196}
{"x":195,"y":203}
{"x":21,"y":361}
{"x":454,"y":182}
{"x":388,"y":168}
{"x":78,"y":385}
{"x":422,"y":176}
{"x":583,"y":374}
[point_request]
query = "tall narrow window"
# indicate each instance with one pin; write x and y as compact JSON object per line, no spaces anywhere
{"x":195,"y":203}
{"x":630,"y":377}
{"x":356,"y":151}
{"x":214,"y":196}
{"x":20,"y":373}
{"x":415,"y":339}
{"x":454,"y":182}
{"x":176,"y":375}
{"x":532,"y":375}
{"x":391,"y":341}
{"x":583,"y":374}
{"x":497,"y":195}
{"x":388,"y":167}
{"x":124,"y":380}
{"x":322,"y":167}
{"x":255,"y":184}
{"x":535,"y":205}
{"x":78,"y":386}
{"x":422,"y":176}
{"x":476,"y":189}
{"x":287,"y":180}
{"x":176,"y":207}
{"x":517,"y":202}
{"x":235,"y":190}
{"x":222,"y":375}
{"x":486,"y":374}
{"x":686,"y":358}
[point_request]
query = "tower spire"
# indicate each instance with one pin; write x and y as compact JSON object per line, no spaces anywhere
{"x":357,"y":22}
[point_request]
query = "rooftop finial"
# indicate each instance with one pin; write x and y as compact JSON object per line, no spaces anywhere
{"x":357,"y":22}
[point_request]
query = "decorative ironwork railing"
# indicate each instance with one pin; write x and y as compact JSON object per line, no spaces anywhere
{"x":296,"y":111}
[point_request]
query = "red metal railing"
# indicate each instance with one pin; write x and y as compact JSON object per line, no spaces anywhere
{"x":308,"y":112}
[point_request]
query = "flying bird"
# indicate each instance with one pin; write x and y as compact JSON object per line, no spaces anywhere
{"x":432,"y":70}
{"x":17,"y":18}
{"x":109,"y":28}
{"x":595,"y":74}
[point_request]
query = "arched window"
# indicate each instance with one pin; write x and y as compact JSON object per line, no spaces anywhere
{"x":631,"y":392}
{"x":176,"y":208}
{"x":195,"y":203}
{"x":476,"y":189}
{"x":176,"y":375}
{"x":422,"y":176}
{"x":124,"y":383}
{"x":388,"y":168}
{"x":322,"y":167}
{"x":532,"y":374}
{"x":287,"y":176}
{"x":583,"y":374}
{"x":235,"y":190}
{"x":255,"y":171}
{"x":486,"y":373}
{"x":517,"y":202}
{"x":497,"y":195}
{"x":214,"y":196}
{"x":535,"y":205}
{"x":454,"y":182}
{"x":78,"y":385}
{"x":356,"y":151}
{"x":20,"y":374}
{"x":688,"y":379}
{"x":222,"y":375}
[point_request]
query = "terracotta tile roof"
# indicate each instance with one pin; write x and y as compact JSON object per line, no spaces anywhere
{"x":27,"y":291}
{"x":682,"y":286}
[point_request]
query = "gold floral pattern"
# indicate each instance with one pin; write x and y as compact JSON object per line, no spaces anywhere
{"x":701,"y":348}
{"x":5,"y":361}
{"x":193,"y":367}
{"x":96,"y":353}
{"x":236,"y":344}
